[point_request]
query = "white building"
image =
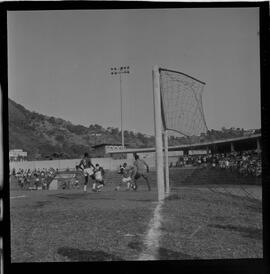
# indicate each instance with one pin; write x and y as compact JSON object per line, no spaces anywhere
{"x":17,"y":155}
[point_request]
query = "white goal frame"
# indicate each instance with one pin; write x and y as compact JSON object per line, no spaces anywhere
{"x":161,"y":173}
{"x":161,"y":133}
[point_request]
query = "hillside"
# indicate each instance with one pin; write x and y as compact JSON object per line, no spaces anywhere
{"x":45,"y":137}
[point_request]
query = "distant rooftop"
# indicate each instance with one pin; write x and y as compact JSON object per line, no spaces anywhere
{"x":190,"y":146}
{"x":107,"y":144}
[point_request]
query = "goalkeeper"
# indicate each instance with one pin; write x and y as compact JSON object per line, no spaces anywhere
{"x":141,"y":168}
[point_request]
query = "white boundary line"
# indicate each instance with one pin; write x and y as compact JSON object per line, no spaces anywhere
{"x":22,"y":196}
{"x":151,"y":240}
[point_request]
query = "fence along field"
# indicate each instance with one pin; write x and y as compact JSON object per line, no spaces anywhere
{"x":107,"y":163}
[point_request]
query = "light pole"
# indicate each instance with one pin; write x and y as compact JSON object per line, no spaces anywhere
{"x":119,"y":71}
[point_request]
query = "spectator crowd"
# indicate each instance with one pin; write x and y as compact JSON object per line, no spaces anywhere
{"x":33,"y":179}
{"x":247,"y":163}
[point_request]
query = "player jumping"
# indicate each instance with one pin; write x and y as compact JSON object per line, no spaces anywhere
{"x":88,"y":169}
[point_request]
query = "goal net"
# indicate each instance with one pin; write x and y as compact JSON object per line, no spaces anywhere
{"x":178,"y":107}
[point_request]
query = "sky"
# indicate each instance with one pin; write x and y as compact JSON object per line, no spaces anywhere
{"x":59,"y":63}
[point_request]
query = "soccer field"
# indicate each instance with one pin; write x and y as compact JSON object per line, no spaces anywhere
{"x":192,"y":223}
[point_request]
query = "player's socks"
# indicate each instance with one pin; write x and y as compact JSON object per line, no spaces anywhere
{"x":134,"y":186}
{"x":99,"y":187}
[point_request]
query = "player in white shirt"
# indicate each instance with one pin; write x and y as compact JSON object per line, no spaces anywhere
{"x":127,"y":173}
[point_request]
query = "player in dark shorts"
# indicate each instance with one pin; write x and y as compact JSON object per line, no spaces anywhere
{"x":88,"y":169}
{"x":141,"y":168}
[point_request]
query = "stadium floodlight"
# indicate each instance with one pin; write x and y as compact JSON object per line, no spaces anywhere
{"x":119,"y":71}
{"x":177,"y":107}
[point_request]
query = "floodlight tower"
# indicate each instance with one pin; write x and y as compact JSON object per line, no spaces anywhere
{"x":119,"y":71}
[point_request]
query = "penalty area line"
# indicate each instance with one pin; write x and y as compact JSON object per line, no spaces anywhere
{"x":151,"y":240}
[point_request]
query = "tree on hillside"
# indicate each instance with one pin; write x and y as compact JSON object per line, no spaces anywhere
{"x":60,"y":138}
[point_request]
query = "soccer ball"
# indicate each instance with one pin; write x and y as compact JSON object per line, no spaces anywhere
{"x":133,"y":186}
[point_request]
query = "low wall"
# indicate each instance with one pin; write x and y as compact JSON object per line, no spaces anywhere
{"x":106,"y":163}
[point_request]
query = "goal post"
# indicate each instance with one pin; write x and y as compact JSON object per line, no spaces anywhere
{"x":158,"y":134}
{"x":177,"y":107}
{"x":166,"y":163}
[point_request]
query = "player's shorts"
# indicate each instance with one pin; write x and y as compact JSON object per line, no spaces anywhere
{"x":139,"y":174}
{"x":99,"y":180}
{"x":126,"y":180}
{"x":88,"y":171}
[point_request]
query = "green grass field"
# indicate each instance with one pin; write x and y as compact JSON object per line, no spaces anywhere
{"x":196,"y":223}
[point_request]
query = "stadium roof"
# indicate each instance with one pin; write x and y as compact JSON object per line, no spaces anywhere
{"x":106,"y":144}
{"x":190,"y":146}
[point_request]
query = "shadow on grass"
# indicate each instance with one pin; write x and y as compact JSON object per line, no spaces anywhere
{"x":255,"y":207}
{"x":141,"y":200}
{"x":173,"y":197}
{"x":94,"y":196}
{"x":82,"y":196}
{"x":167,"y":254}
{"x":163,"y":253}
{"x":136,"y":245}
{"x":41,"y":204}
{"x":249,"y":232}
{"x":75,"y":254}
